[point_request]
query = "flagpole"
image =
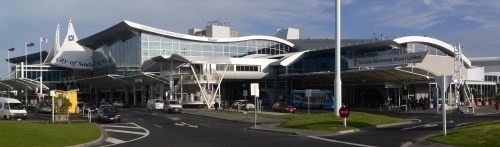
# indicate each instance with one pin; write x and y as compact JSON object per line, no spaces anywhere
{"x":25,"y":59}
{"x":41,"y":73}
{"x":8,"y":60}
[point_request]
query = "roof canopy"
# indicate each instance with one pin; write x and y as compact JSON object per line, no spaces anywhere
{"x":158,"y":63}
{"x":20,"y":84}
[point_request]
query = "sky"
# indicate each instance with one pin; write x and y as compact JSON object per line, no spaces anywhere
{"x":473,"y":24}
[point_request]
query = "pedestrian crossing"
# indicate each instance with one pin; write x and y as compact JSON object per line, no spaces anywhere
{"x":123,"y":132}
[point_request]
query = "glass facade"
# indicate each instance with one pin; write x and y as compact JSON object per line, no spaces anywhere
{"x":316,"y":63}
{"x":50,"y":73}
{"x":126,"y":57}
{"x":155,"y":45}
{"x":120,"y":58}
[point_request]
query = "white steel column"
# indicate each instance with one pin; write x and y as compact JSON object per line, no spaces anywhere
{"x":218,"y":84}
{"x":199,"y":85}
{"x":338,"y":82}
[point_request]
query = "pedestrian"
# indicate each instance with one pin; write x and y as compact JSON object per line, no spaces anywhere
{"x":216,"y":105}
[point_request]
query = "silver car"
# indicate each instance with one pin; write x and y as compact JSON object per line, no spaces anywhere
{"x":172,"y":106}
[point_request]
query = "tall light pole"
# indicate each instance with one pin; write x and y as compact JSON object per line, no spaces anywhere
{"x":338,"y":82}
{"x":41,"y":63}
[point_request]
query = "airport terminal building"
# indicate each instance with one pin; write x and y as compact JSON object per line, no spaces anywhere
{"x":131,"y":62}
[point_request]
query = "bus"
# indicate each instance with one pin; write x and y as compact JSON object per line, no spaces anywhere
{"x":320,"y":99}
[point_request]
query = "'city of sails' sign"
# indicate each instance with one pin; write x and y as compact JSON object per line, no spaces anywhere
{"x":387,"y":60}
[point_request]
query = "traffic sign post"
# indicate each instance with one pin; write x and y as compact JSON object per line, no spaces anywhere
{"x":308,"y":95}
{"x":254,"y":90}
{"x":52,"y":94}
{"x":344,"y":113}
{"x":443,"y":82}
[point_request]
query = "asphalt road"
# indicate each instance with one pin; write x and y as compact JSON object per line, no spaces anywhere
{"x":159,"y":129}
{"x":140,"y":128}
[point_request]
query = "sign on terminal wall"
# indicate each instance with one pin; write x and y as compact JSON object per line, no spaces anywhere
{"x":387,"y":60}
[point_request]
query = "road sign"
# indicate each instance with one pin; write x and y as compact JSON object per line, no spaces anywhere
{"x":254,"y":89}
{"x":344,"y":112}
{"x":308,"y":92}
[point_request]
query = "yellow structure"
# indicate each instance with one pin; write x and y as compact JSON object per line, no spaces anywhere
{"x":72,"y":96}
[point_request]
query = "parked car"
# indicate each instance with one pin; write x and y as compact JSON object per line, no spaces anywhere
{"x":284,"y":107}
{"x":243,"y":105}
{"x":44,"y":107}
{"x":12,"y":109}
{"x":155,"y":104}
{"x":107,"y":113}
{"x":171,"y":106}
{"x":159,"y":104}
{"x":118,"y":104}
{"x":90,"y":106}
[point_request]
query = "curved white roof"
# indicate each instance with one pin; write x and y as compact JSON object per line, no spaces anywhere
{"x":438,"y":44}
{"x":204,"y":39}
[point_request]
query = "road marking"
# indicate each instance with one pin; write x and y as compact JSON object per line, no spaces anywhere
{"x":113,"y":126}
{"x":420,"y":126}
{"x":123,"y":131}
{"x":114,"y":140}
{"x":140,"y":119}
{"x":204,"y":125}
{"x":174,"y":118}
{"x":343,"y":142}
{"x":416,"y":120}
{"x":184,"y":124}
{"x":157,"y":125}
{"x":144,"y":135}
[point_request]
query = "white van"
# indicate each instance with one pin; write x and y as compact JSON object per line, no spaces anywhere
{"x":12,"y":109}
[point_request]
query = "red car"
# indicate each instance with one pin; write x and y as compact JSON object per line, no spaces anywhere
{"x":283,"y":107}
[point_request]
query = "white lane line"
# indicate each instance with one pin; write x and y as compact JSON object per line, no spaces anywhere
{"x":140,"y":119}
{"x":114,"y":140}
{"x":123,"y":131}
{"x":157,"y":125}
{"x":184,"y":124}
{"x":204,"y":125}
{"x":112,"y":126}
{"x":343,"y":142}
{"x":421,"y":126}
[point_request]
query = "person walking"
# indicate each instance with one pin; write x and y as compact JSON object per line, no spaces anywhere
{"x":216,"y":105}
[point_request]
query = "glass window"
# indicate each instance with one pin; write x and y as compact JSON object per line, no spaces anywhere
{"x":218,"y":48}
{"x":196,"y":47}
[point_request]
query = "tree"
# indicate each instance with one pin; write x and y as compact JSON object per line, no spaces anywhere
{"x":65,"y":104}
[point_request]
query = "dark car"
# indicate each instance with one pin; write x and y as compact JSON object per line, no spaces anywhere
{"x":88,"y":106}
{"x":283,"y":107}
{"x":44,"y":107}
{"x":107,"y":113}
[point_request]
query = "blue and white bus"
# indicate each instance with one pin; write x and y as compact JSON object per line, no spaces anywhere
{"x":320,"y":99}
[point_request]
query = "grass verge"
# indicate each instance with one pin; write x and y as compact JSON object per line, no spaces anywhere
{"x":23,"y":134}
{"x":329,"y":122}
{"x":476,"y":134}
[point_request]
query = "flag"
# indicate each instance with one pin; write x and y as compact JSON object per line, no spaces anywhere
{"x":30,"y":44}
{"x":11,"y":49}
{"x":43,"y":40}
